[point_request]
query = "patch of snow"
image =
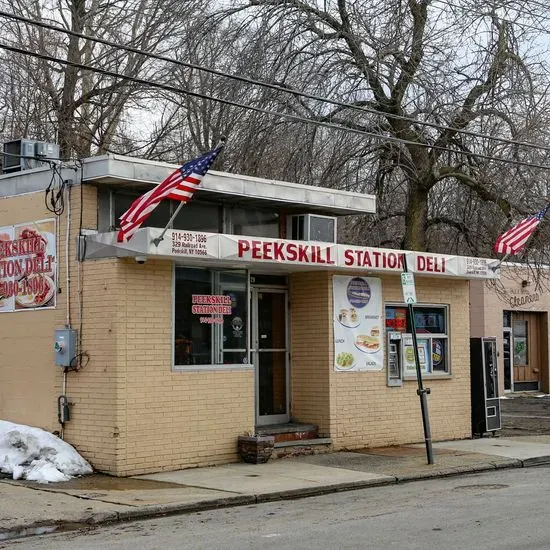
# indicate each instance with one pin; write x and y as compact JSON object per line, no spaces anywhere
{"x":37,"y":455}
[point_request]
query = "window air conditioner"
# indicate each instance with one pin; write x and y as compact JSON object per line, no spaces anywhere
{"x":311,"y":227}
{"x":24,"y":154}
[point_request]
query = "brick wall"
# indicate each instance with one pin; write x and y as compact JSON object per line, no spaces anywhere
{"x":361,"y":410}
{"x":311,"y":347}
{"x":173,"y":419}
{"x":132,"y":414}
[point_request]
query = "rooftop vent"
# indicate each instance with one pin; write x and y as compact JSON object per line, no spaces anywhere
{"x":24,"y":154}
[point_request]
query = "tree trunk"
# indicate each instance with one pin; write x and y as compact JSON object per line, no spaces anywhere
{"x":416,"y":218}
{"x":66,"y":136}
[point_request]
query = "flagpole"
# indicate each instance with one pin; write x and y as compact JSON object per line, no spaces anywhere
{"x":160,"y":238}
{"x":503,"y":259}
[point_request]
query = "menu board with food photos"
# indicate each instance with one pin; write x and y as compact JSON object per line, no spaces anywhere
{"x":27,"y":266}
{"x":358,"y":341}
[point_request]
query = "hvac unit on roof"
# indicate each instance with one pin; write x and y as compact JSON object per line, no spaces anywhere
{"x":311,"y":227}
{"x":24,"y":154}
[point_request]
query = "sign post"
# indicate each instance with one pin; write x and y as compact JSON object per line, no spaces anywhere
{"x":409,"y":295}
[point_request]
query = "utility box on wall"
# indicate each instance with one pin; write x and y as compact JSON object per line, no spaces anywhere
{"x":65,"y":347}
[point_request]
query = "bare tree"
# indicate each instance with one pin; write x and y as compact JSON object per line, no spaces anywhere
{"x":84,"y":111}
{"x":408,"y":63}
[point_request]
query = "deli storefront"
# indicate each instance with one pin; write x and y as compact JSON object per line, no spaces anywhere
{"x":247,"y":315}
{"x":258,"y":332}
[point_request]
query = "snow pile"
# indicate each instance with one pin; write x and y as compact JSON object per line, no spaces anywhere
{"x":37,"y":455}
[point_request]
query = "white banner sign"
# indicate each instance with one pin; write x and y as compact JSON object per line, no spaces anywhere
{"x":309,"y":254}
{"x":358,"y":334}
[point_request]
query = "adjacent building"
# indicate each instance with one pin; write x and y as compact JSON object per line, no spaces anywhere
{"x":515,"y":311}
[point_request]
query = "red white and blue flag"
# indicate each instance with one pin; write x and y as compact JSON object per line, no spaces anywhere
{"x":179,"y":186}
{"x":513,"y":240}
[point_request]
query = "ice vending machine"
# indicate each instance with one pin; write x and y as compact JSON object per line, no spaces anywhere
{"x":484,"y":386}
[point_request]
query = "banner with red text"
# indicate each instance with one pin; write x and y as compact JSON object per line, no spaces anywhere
{"x":27,"y":266}
{"x":197,"y":246}
{"x":250,"y":249}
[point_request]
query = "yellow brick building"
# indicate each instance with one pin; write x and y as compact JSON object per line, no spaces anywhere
{"x":224,"y":328}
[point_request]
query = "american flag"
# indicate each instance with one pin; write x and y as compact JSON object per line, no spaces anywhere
{"x":513,"y":240}
{"x":179,"y":186}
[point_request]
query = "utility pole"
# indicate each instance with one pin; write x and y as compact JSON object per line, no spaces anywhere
{"x":409,"y":294}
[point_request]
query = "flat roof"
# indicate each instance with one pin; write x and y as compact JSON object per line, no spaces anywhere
{"x":250,"y":191}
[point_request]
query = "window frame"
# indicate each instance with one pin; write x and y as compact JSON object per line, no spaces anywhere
{"x":107,"y":220}
{"x":214,"y":352}
{"x":421,"y":339}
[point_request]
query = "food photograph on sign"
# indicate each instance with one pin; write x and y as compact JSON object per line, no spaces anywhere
{"x":357,"y":320}
{"x":27,"y":266}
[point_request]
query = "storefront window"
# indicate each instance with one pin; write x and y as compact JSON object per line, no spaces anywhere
{"x":211,"y":317}
{"x":520,"y":357}
{"x":122,"y":201}
{"x":432,"y":336}
{"x":199,"y":216}
{"x":194,"y":216}
{"x":253,"y":222}
{"x":507,"y":319}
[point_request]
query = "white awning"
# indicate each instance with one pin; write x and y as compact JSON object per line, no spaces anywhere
{"x":198,"y":248}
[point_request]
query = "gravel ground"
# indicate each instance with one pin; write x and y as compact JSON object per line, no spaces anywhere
{"x":525,"y":414}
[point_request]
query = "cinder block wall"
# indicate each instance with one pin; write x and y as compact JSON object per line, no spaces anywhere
{"x":362,"y":410}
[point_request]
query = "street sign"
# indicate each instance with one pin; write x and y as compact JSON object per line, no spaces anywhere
{"x":409,"y":290}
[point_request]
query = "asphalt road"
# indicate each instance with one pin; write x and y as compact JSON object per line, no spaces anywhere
{"x":501,"y":510}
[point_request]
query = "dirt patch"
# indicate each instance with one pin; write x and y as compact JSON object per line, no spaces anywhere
{"x":525,"y":415}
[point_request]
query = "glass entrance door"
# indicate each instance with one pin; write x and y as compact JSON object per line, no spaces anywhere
{"x":270,"y":354}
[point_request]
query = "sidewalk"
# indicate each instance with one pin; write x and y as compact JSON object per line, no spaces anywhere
{"x":30,"y":508}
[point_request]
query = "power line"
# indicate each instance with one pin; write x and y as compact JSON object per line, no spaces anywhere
{"x":275,"y":86}
{"x":289,"y":116}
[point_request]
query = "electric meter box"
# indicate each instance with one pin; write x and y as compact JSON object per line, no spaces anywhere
{"x":65,"y":347}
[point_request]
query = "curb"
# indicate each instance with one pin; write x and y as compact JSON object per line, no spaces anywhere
{"x":174,"y":509}
{"x":107,"y":517}
{"x":536,"y":461}
{"x":291,"y":494}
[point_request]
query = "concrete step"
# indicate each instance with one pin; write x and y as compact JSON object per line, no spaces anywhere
{"x":302,"y":447}
{"x":304,"y":442}
{"x":291,"y":431}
